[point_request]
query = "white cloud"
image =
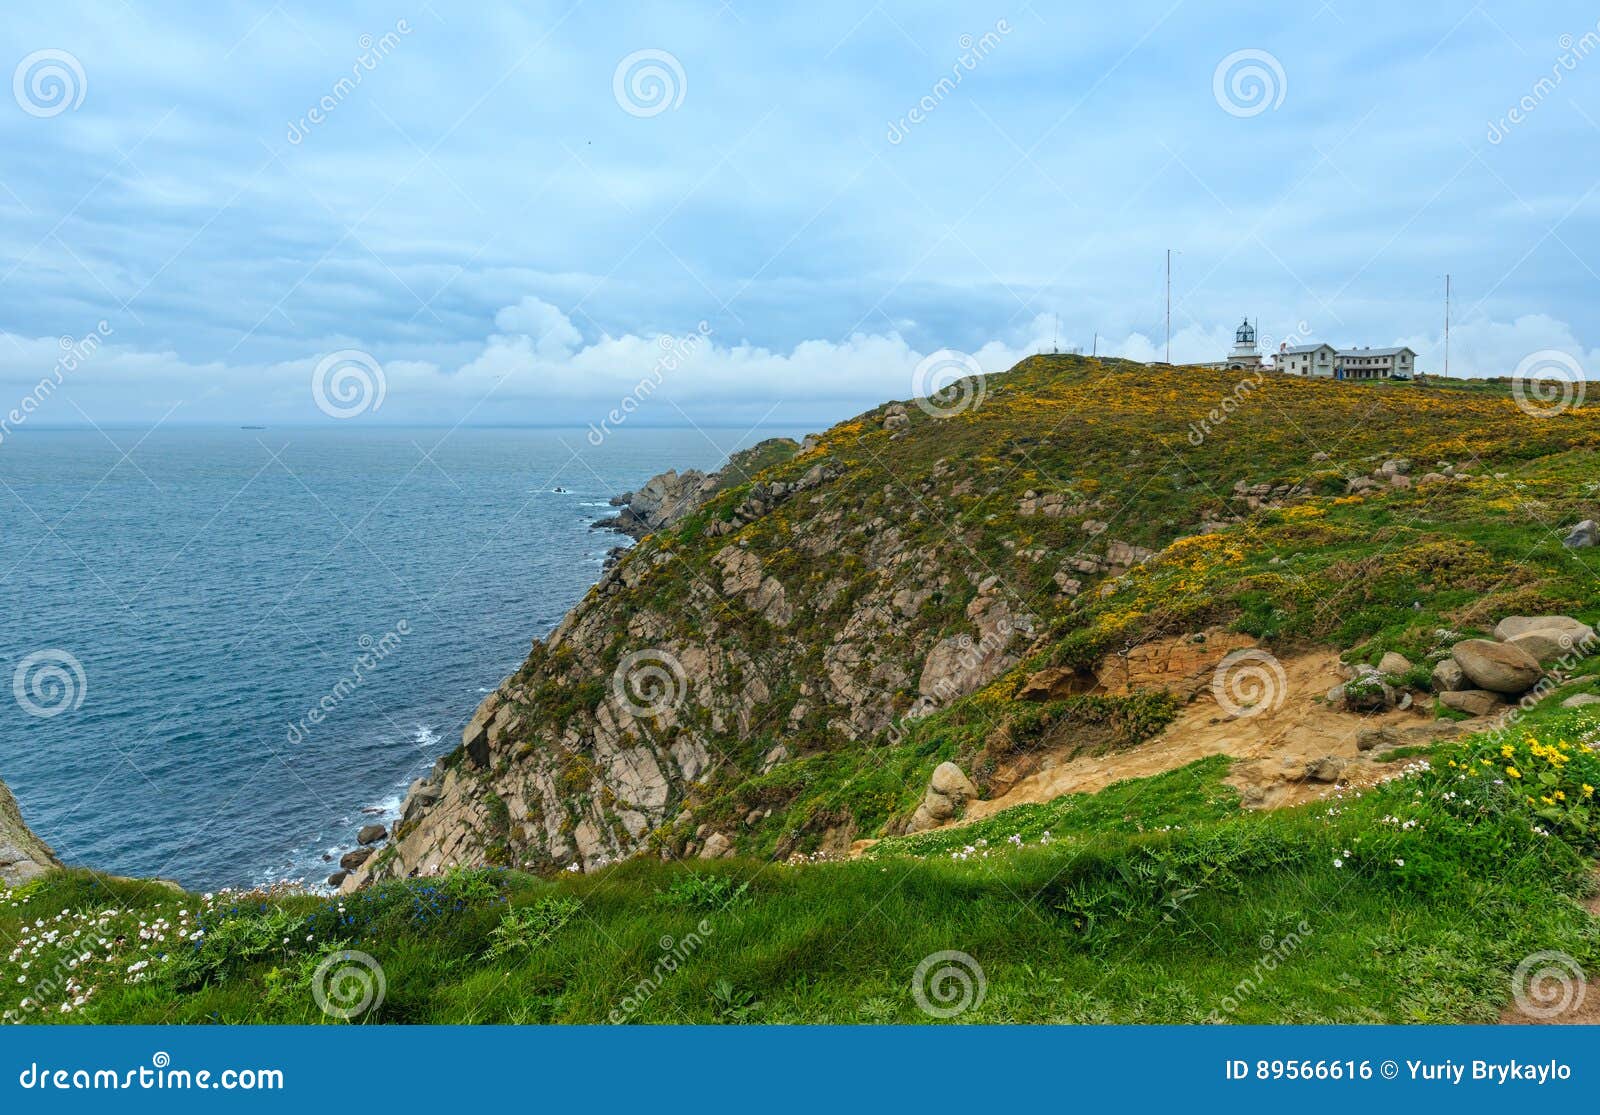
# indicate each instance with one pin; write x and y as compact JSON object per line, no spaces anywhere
{"x":537,"y":369}
{"x":551,"y":331}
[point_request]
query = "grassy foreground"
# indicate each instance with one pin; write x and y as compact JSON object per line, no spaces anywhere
{"x":1152,"y":901}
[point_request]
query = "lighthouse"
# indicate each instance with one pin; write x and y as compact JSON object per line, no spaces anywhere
{"x":1245,"y":354}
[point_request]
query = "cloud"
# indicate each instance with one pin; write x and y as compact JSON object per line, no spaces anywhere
{"x":537,"y":369}
{"x":550,"y":331}
{"x":1490,"y":348}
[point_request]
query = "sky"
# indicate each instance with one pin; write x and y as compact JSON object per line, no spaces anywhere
{"x":724,"y":213}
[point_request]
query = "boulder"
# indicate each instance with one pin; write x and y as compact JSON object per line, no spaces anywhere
{"x":1326,"y":769}
{"x":1579,"y":700}
{"x":354,"y":859}
{"x":1397,"y":466}
{"x":1449,"y":678}
{"x":1497,"y":667}
{"x":1386,"y":736}
{"x":1369,"y":739}
{"x":1512,"y":626}
{"x":1394,"y":664}
{"x":337,"y":877}
{"x":717,"y":847}
{"x":371,"y":834}
{"x":1366,"y":692}
{"x":1473,"y":702}
{"x":949,"y":780}
{"x":1547,"y":647}
{"x":949,"y":790}
{"x":897,"y":422}
{"x":1586,"y":533}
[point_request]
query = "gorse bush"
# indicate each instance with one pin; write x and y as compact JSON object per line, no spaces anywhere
{"x":1539,"y":773}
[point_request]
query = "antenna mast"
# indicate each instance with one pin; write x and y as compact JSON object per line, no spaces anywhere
{"x":1169,"y":305}
{"x":1447,"y":327}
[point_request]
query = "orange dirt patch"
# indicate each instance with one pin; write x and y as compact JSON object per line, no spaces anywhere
{"x":1289,"y":730}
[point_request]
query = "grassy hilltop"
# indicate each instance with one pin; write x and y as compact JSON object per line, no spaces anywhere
{"x":1248,"y":507}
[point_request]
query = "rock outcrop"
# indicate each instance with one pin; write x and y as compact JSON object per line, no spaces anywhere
{"x":661,"y":501}
{"x":1182,"y":665}
{"x":666,"y":498}
{"x":23,"y":856}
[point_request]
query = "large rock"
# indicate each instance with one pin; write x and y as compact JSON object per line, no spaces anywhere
{"x":1394,"y":664}
{"x":354,"y":859}
{"x":1511,"y":626}
{"x":1548,"y":646}
{"x":1580,"y":700}
{"x":1328,"y":768}
{"x":717,"y":847}
{"x":1449,"y":677}
{"x":1473,"y":702}
{"x":949,"y":790}
{"x":949,"y":780}
{"x":1366,"y":692}
{"x":371,"y":834}
{"x":1497,"y":667}
{"x":1586,"y":533}
{"x":1574,"y":629}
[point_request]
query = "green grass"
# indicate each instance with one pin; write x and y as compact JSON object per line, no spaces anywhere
{"x":1153,"y":901}
{"x":1194,"y":794}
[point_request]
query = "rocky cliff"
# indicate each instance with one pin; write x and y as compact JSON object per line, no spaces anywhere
{"x":23,"y":856}
{"x":667,"y":497}
{"x":784,"y":661}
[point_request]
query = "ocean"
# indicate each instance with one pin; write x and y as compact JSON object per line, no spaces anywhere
{"x":230,"y":648}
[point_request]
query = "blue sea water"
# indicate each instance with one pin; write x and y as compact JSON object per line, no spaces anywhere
{"x":179,"y":601}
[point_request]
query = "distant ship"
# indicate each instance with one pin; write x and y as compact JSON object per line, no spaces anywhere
{"x":252,"y":427}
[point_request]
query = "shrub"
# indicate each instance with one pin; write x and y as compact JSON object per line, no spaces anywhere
{"x":527,"y":927}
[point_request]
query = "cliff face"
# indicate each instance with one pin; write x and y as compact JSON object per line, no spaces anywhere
{"x":23,"y":856}
{"x":781,"y":668}
{"x":682,"y":667}
{"x":666,"y":498}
